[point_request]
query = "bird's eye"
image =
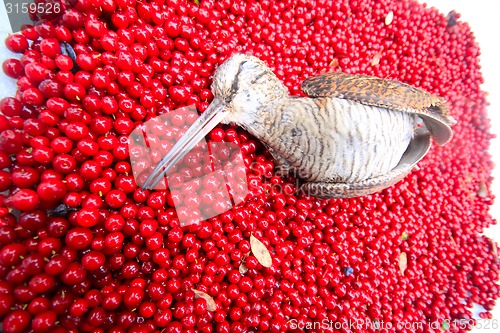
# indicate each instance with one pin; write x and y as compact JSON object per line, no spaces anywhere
{"x":227,"y":99}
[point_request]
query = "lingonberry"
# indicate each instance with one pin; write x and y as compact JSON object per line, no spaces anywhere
{"x":16,"y":43}
{"x":36,"y":72}
{"x":90,"y":170}
{"x":76,"y":131}
{"x":93,"y":260}
{"x":64,"y":62}
{"x":74,"y":91}
{"x":25,"y":200}
{"x":12,"y":254}
{"x":73,"y":274}
{"x":50,"y":47}
{"x":64,"y":163}
{"x":51,"y":190}
{"x":79,"y":238}
{"x":13,"y":68}
{"x":10,"y":141}
{"x":16,"y":322}
{"x":4,"y":123}
{"x":25,"y":177}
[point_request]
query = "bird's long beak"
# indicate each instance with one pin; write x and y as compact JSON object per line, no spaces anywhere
{"x":212,"y":116}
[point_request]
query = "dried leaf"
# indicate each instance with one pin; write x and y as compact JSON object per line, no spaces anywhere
{"x":469,"y":176}
{"x":260,"y":251}
{"x":403,"y":262}
{"x":334,"y":63}
{"x":376,"y":59}
{"x":389,"y":17}
{"x":243,"y":268}
{"x":453,"y":241}
{"x":211,"y":306}
{"x":482,"y":192}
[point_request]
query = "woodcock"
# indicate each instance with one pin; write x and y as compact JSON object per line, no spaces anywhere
{"x":353,"y":135}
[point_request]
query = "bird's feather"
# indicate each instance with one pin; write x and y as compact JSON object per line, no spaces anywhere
{"x":417,"y":149}
{"x":393,"y":95}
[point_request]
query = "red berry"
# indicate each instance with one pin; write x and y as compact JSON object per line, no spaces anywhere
{"x":44,"y":322}
{"x":25,"y":200}
{"x":13,"y":68}
{"x":50,"y":47}
{"x":11,"y":107}
{"x":79,"y":238}
{"x":16,"y":322}
{"x":36,"y":72}
{"x":16,"y":43}
{"x":88,"y":217}
{"x":93,"y":260}
{"x":51,"y":190}
{"x":33,"y":96}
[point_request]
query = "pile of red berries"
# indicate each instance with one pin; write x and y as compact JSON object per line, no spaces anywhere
{"x":84,"y":249}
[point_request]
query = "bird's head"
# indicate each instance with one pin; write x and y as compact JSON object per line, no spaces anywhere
{"x":241,"y":86}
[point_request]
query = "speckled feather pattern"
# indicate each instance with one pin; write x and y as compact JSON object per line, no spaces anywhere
{"x":334,"y":140}
{"x":348,"y":138}
{"x":352,"y":136}
{"x":393,"y":95}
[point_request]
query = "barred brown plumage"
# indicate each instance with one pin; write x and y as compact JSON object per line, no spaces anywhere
{"x":354,"y":135}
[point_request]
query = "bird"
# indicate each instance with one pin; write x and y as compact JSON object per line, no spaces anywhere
{"x":350,"y":136}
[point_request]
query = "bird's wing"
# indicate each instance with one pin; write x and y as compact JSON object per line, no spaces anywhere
{"x":417,"y":149}
{"x":384,"y":93}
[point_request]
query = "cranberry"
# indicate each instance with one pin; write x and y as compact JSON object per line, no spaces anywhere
{"x":36,"y":72}
{"x":88,"y":217}
{"x":13,"y":68}
{"x":25,"y":200}
{"x":16,"y":322}
{"x":4,"y":123}
{"x":79,"y":238}
{"x":10,"y":141}
{"x":93,"y":260}
{"x":50,"y":47}
{"x":16,"y":43}
{"x":12,"y":254}
{"x":51,"y":190}
{"x":45,"y":321}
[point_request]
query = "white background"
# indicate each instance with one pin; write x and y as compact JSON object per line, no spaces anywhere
{"x":484,"y":18}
